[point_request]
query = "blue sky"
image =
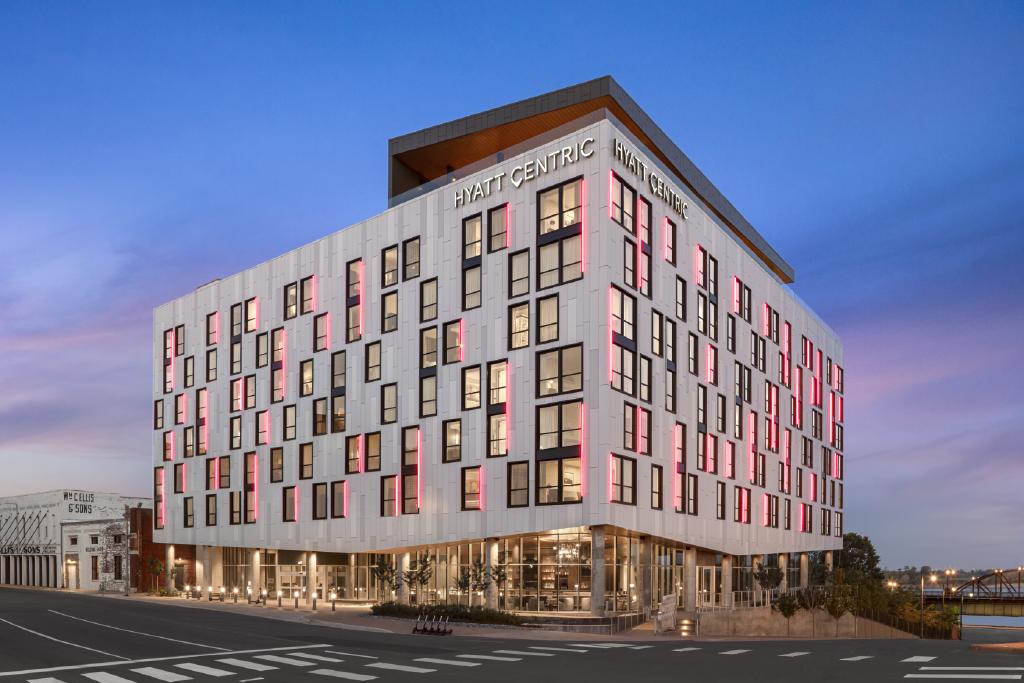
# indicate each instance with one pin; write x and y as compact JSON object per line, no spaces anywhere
{"x":146,"y":148}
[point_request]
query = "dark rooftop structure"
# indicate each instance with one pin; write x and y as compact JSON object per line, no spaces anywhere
{"x":430,"y":154}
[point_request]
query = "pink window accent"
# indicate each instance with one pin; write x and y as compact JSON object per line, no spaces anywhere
{"x":313,"y":294}
{"x":216,"y":474}
{"x":786,"y":469}
{"x":296,"y":506}
{"x":751,"y":445}
{"x":419,"y":469}
{"x":709,"y":444}
{"x":362,"y":297}
{"x":677,"y":438}
{"x":611,"y":328}
{"x":255,"y":487}
{"x":764,"y":509}
{"x":698,"y":265}
{"x":256,"y":303}
{"x":284,"y":361}
{"x":583,"y":226}
{"x":611,"y":182}
{"x":482,"y":479}
{"x":344,"y":488}
{"x":171,"y":433}
{"x":765,"y":320}
{"x":398,"y":494}
{"x":730,"y":459}
{"x":174,"y":346}
{"x":611,"y":477}
{"x":462,"y":339}
{"x":216,"y":327}
{"x":163,"y":496}
{"x":583,"y":450}
{"x":361,"y":460}
{"x":184,"y":477}
{"x":735,"y":294}
{"x":508,"y":225}
{"x":508,"y":407}
{"x":327,"y":323}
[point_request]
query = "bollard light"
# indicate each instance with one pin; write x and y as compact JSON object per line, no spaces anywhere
{"x":248,"y":594}
{"x":334,"y":599}
{"x":263,"y":593}
{"x":234,"y":591}
{"x":222,"y":592}
{"x":209,"y":593}
{"x":278,"y":598}
{"x":295,"y":594}
{"x":188,"y":591}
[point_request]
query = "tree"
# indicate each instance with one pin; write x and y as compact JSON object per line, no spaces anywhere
{"x":463,"y":582}
{"x":787,"y":605}
{"x":387,"y":574}
{"x":859,"y":559}
{"x":479,"y":576}
{"x":838,"y":601}
{"x":420,"y":573}
{"x":155,"y":569}
{"x":769,"y":578}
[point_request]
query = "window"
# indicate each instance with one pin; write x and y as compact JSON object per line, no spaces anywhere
{"x":321,"y":332}
{"x":320,"y":417}
{"x":519,"y":325}
{"x":497,"y":383}
{"x":656,"y":487}
{"x":389,"y":312}
{"x":212,"y":328}
{"x":339,"y":505}
{"x":338,"y":370}
{"x":354,"y":300}
{"x":291,"y":300}
{"x":306,"y":377}
{"x":252,"y":310}
{"x":471,"y":288}
{"x":179,"y":340}
{"x":712,"y":365}
{"x":289,"y":504}
{"x":670,"y":341}
{"x":518,"y":484}
{"x":559,"y":481}
{"x":307,"y":291}
{"x":428,"y":396}
{"x":235,"y":426}
{"x":622,"y":309}
{"x":276,"y":465}
{"x":224,"y":472}
{"x":211,"y":473}
{"x":179,"y":478}
{"x":453,"y":342}
{"x":691,"y":494}
{"x":158,"y":414}
{"x":560,"y":371}
{"x":320,"y":501}
{"x":623,"y":369}
{"x":389,"y":272}
{"x":560,"y":262}
{"x":236,"y":357}
{"x":306,"y":461}
{"x":250,"y":392}
{"x":236,"y":320}
{"x":190,"y":371}
{"x":629,"y":263}
{"x":262,"y":427}
{"x":670,"y":241}
{"x":451,"y":446}
{"x":720,"y":500}
{"x":250,"y":488}
{"x":180,"y":408}
{"x":547,"y":319}
{"x":680,"y":298}
{"x":471,"y":496}
{"x":288,"y":423}
{"x":559,"y":425}
{"x":645,"y":379}
{"x":372,"y":370}
{"x":389,"y":496}
{"x":211,"y":365}
{"x":234,"y":507}
{"x":623,"y":484}
{"x":411,"y":258}
{"x":498,"y":228}
{"x":372,"y":446}
{"x":389,"y":403}
{"x":428,"y":300}
{"x":519,"y":273}
{"x":353,"y":456}
{"x":471,"y":387}
{"x":428,"y":348}
{"x":629,"y":426}
{"x":262,"y":349}
{"x":497,"y":435}
{"x":211,"y":509}
{"x":623,"y":199}
{"x":188,"y":512}
{"x":657,"y":328}
{"x":691,"y":353}
{"x":471,"y":237}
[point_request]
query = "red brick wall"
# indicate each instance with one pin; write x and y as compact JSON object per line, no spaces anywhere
{"x":141,"y":526}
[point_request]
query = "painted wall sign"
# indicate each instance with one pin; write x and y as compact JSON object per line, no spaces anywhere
{"x":649,"y":176}
{"x":525,"y":172}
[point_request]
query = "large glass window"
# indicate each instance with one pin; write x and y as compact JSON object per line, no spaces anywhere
{"x":471,"y":387}
{"x":519,"y":325}
{"x":471,"y":286}
{"x":519,"y":273}
{"x":428,"y":300}
{"x":389,"y":403}
{"x":559,"y":481}
{"x":518,"y":484}
{"x":453,"y":341}
{"x":547,"y":319}
{"x":623,"y":203}
{"x":497,"y":228}
{"x":471,"y":497}
{"x":411,"y":258}
{"x":623,"y":485}
{"x":560,"y":262}
{"x":560,"y":206}
{"x":389,"y":272}
{"x":452,"y":445}
{"x":559,"y":425}
{"x":471,"y":236}
{"x":560,"y":370}
{"x":307,"y":292}
{"x":428,"y":348}
{"x":373,"y":361}
{"x":389,"y":312}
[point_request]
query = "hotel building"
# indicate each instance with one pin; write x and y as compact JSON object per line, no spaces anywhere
{"x":560,"y":354}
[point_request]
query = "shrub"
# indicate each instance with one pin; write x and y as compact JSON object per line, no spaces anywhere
{"x":476,"y":615}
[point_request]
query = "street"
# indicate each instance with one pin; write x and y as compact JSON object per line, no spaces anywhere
{"x":53,"y":637}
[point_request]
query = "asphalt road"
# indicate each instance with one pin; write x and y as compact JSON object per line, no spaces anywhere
{"x":52,"y":637}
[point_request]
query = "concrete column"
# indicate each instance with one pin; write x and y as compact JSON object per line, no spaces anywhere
{"x":828,"y":560}
{"x":804,"y":569}
{"x":491,"y":560}
{"x":784,"y":566}
{"x":727,"y":601}
{"x":350,"y":580}
{"x":255,"y":574}
{"x":215,"y":560}
{"x":202,"y":575}
{"x":597,"y":571}
{"x":402,"y":595}
{"x":311,"y":578}
{"x":169,"y":568}
{"x":690,"y":582}
{"x":644,"y":580}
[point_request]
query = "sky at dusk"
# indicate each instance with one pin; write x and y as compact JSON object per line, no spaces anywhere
{"x":147,"y":148}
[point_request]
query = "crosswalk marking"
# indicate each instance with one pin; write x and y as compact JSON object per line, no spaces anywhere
{"x":277,"y":659}
{"x":599,"y":645}
{"x":350,"y":654}
{"x":450,"y":662}
{"x":640,"y":647}
{"x":962,"y":676}
{"x":524,"y":653}
{"x":494,"y":658}
{"x":104,"y":677}
{"x":686,"y":649}
{"x":402,"y":667}
{"x":918,"y":659}
{"x":733,"y":652}
{"x":795,"y":654}
{"x":319,"y":658}
{"x":161,"y":674}
{"x":45,"y":680}
{"x":558,"y":649}
{"x":347,"y":675}
{"x":207,"y":670}
{"x":857,"y":658}
{"x":243,"y":664}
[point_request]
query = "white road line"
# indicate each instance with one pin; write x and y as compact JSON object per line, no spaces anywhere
{"x":56,"y":640}
{"x":857,"y":658}
{"x":45,"y":680}
{"x":319,"y":658}
{"x":150,"y":660}
{"x":277,"y":659}
{"x":205,"y":670}
{"x":347,"y":675}
{"x":559,"y":649}
{"x":243,"y":664}
{"x":104,"y":677}
{"x":350,"y":654}
{"x":402,"y":667}
{"x":493,"y":658}
{"x":249,"y":680}
{"x":960,"y":677}
{"x":686,"y":649}
{"x":599,"y":645}
{"x":733,"y":652}
{"x":161,"y":674}
{"x":917,"y":659}
{"x":640,"y":647}
{"x":971,"y":668}
{"x":523,"y":652}
{"x":138,"y":633}
{"x":451,"y":662}
{"x":795,"y":654}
